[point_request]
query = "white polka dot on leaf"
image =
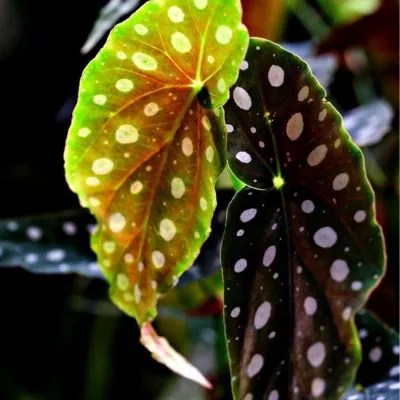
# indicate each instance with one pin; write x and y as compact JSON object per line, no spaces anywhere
{"x":175,"y":14}
{"x":248,"y":215}
{"x":181,"y":42}
{"x":235,"y":312}
{"x":210,"y":154}
{"x":339,"y":270}
{"x":262,"y":315}
{"x":255,"y":365}
{"x":276,"y":76}
{"x":144,"y":61}
{"x":318,"y":386}
{"x":84,"y":132}
{"x":244,"y":65}
{"x":102,"y":166}
{"x":269,"y":256}
{"x":242,"y":98}
{"x":325,"y":237}
{"x":122,"y":282}
{"x":316,"y":354}
{"x":223,"y":34}
{"x":295,"y":126}
{"x":187,"y":147}
{"x":322,"y":115}
{"x":346,"y":314}
{"x":56,"y":255}
{"x":158,"y":259}
{"x":375,"y":354}
{"x":360,"y":216}
{"x":307,"y":206}
{"x":310,"y":305}
{"x":124,"y":85}
{"x":201,"y":4}
{"x":274,"y":395}
{"x":151,"y":109}
{"x":240,"y":265}
{"x":117,"y":222}
{"x":167,"y":229}
{"x":136,"y":187}
{"x":141,"y":29}
{"x":303,"y":93}
{"x":126,"y":134}
{"x":317,"y":155}
{"x":100,"y":99}
{"x":177,"y":188}
{"x":244,"y":157}
{"x":340,"y":181}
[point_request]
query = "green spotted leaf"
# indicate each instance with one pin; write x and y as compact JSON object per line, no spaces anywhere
{"x":146,"y":143}
{"x":302,"y":249}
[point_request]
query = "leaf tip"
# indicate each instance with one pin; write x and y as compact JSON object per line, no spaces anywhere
{"x":162,"y":351}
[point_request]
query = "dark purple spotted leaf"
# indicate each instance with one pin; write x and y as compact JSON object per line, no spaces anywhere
{"x":302,"y":249}
{"x":381,"y":350}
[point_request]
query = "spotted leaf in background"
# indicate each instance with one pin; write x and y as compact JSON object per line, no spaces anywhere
{"x":59,"y":244}
{"x":142,"y":153}
{"x":381,"y":350}
{"x":301,"y":249}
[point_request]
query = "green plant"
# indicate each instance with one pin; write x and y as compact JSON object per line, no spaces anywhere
{"x":145,"y":147}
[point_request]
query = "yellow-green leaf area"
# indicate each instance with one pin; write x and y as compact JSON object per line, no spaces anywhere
{"x":143,"y":153}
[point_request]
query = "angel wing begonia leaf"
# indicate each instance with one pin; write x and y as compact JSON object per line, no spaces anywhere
{"x":301,"y":249}
{"x":143,"y":153}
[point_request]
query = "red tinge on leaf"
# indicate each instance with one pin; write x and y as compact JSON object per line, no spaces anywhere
{"x":165,"y":354}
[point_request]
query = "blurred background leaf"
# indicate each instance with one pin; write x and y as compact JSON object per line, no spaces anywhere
{"x":61,"y":338}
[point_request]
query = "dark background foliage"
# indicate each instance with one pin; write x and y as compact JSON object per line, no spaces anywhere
{"x":60,"y":338}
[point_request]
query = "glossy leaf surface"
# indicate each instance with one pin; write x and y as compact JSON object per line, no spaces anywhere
{"x":143,"y":153}
{"x":301,"y":249}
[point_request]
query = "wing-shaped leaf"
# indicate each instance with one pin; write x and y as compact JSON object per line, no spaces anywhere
{"x":301,"y":255}
{"x":142,"y":153}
